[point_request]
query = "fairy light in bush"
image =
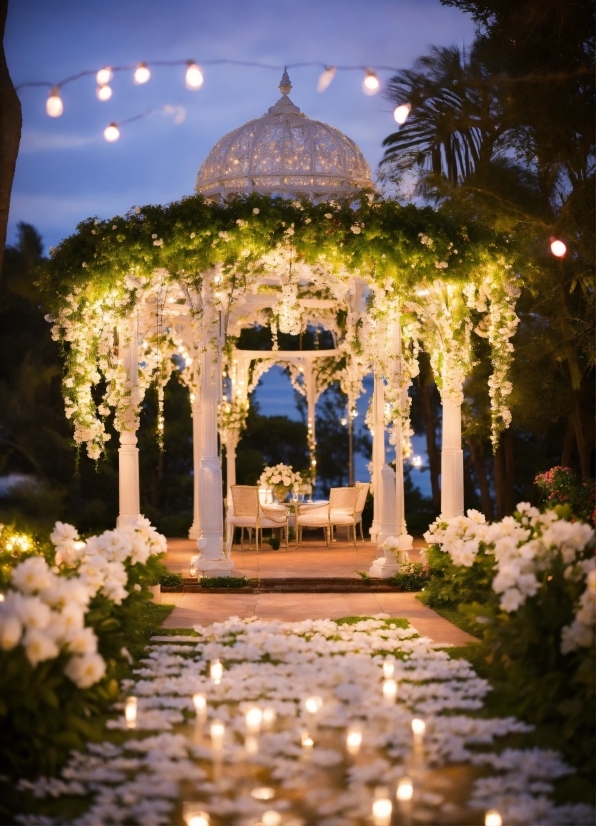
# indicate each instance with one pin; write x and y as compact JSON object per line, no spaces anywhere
{"x":54,"y":105}
{"x":558,"y":248}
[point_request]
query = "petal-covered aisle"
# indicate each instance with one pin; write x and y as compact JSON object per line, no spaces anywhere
{"x":312,"y":683}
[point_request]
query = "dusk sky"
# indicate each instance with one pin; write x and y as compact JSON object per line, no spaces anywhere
{"x":67,"y":172}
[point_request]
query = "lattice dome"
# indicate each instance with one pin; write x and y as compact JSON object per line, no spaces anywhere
{"x":286,"y":153}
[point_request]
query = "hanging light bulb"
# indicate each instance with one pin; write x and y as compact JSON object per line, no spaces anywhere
{"x":370,"y":84}
{"x":104,"y":76}
{"x":104,"y":92}
{"x":142,"y":74}
{"x":326,"y":78}
{"x":111,"y":133}
{"x":194,"y":76}
{"x":54,"y":105}
{"x":557,"y":247}
{"x":401,"y":112}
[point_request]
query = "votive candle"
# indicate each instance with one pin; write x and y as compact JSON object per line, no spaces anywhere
{"x":130,"y":712}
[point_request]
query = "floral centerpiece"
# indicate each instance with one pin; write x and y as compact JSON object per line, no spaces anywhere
{"x":280,"y":479}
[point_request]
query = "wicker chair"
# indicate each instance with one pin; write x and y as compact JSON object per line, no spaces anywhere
{"x":312,"y":516}
{"x":247,"y":512}
{"x":363,"y":488}
{"x":342,"y":509}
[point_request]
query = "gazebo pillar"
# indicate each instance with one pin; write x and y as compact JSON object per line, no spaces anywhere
{"x":195,"y":528}
{"x":311,"y":394}
{"x":378,"y":454}
{"x":211,"y":560}
{"x":232,"y":439}
{"x":128,"y":452}
{"x":405,"y":540}
{"x":452,"y":461}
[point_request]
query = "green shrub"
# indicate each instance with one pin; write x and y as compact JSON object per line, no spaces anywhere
{"x":450,"y":585}
{"x":223,"y":582}
{"x":412,"y":576}
{"x":170,"y":580}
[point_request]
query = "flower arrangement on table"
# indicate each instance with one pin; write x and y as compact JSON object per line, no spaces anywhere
{"x":280,"y":479}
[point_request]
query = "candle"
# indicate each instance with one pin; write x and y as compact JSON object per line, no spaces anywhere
{"x":130,"y":712}
{"x":404,"y":795}
{"x":381,"y":808}
{"x":418,"y":728}
{"x":313,"y":704}
{"x":194,"y":816}
{"x":254,"y":718}
{"x":306,"y":740}
{"x":217,"y":735}
{"x":200,"y":704}
{"x":353,"y":740}
{"x":216,"y":671}
{"x":263,"y":793}
{"x":271,"y":818}
{"x":388,"y":669}
{"x":389,"y":691}
{"x":269,"y":715}
{"x":493,"y":818}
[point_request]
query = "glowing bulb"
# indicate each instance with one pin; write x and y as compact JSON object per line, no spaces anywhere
{"x":54,"y":105}
{"x":343,"y":421}
{"x":401,"y":112}
{"x":254,"y":718}
{"x":405,"y":789}
{"x":417,"y":461}
{"x":389,"y":691}
{"x":216,"y":671}
{"x":104,"y":76}
{"x":271,"y":818}
{"x":388,"y":669}
{"x":142,"y":74}
{"x":381,"y":811}
{"x":194,"y":76}
{"x":353,"y":740}
{"x":130,"y":712}
{"x":418,"y":726}
{"x":326,"y":78}
{"x":103,"y":92}
{"x":111,"y":133}
{"x":370,"y":84}
{"x":558,"y":248}
{"x":493,"y":818}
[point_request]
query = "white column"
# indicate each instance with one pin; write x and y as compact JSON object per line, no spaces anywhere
{"x":311,"y":392}
{"x":452,"y":461}
{"x":406,"y":541}
{"x":195,"y":528}
{"x":128,"y":452}
{"x":231,"y":445}
{"x":378,"y":454}
{"x":385,"y":565}
{"x":211,"y":560}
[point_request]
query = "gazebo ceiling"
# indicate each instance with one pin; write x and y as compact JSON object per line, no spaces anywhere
{"x":284,"y":153}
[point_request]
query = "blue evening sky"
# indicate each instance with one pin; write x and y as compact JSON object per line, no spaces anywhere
{"x":67,"y":172}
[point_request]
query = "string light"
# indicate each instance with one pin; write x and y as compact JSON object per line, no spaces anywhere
{"x":104,"y":92}
{"x":104,"y":76}
{"x":194,"y":76}
{"x":111,"y":133}
{"x":142,"y":74}
{"x":558,"y":248}
{"x":54,"y":105}
{"x":401,"y":112}
{"x":370,"y":84}
{"x":326,"y":78}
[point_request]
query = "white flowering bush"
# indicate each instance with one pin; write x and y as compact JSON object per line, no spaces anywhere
{"x":279,"y":475}
{"x":530,"y":582}
{"x":65,"y":619}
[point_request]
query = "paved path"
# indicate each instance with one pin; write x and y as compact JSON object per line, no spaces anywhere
{"x":203,"y":609}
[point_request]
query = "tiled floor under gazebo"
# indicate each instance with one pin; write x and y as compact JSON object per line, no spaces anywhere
{"x":312,"y":561}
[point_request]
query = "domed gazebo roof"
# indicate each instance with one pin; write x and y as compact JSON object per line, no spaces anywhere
{"x":284,"y":153}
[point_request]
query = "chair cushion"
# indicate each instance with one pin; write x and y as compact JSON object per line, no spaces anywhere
{"x":313,"y":521}
{"x":341,"y":518}
{"x":242,"y":521}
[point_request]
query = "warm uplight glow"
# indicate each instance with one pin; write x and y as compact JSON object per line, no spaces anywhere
{"x":326,"y":78}
{"x":263,"y":793}
{"x":142,"y":74}
{"x":493,"y":818}
{"x":130,"y":712}
{"x":103,"y":92}
{"x":353,"y":740}
{"x":194,"y":76}
{"x":54,"y":105}
{"x":389,"y":690}
{"x":111,"y":133}
{"x":216,"y":671}
{"x":370,"y":84}
{"x":418,"y":726}
{"x":104,"y":76}
{"x":254,"y":718}
{"x":381,"y":811}
{"x":558,"y":248}
{"x":405,"y":789}
{"x":401,"y":112}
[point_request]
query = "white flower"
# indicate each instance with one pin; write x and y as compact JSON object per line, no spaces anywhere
{"x":328,"y":215}
{"x":39,"y":646}
{"x":511,"y":600}
{"x":356,"y":229}
{"x":32,"y":575}
{"x":81,"y":641}
{"x":31,"y":611}
{"x":85,"y":671}
{"x":63,"y":532}
{"x":256,"y":211}
{"x":11,"y":631}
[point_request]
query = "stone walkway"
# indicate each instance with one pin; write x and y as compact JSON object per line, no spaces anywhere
{"x":313,"y":559}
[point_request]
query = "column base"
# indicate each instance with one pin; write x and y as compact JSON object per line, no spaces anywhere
{"x":212,"y":567}
{"x":195,"y":531}
{"x":128,"y":519}
{"x":383,"y":568}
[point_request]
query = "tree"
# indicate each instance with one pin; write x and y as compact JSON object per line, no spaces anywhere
{"x":11,"y":121}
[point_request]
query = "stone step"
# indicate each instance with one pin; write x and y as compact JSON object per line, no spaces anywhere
{"x":292,"y":585}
